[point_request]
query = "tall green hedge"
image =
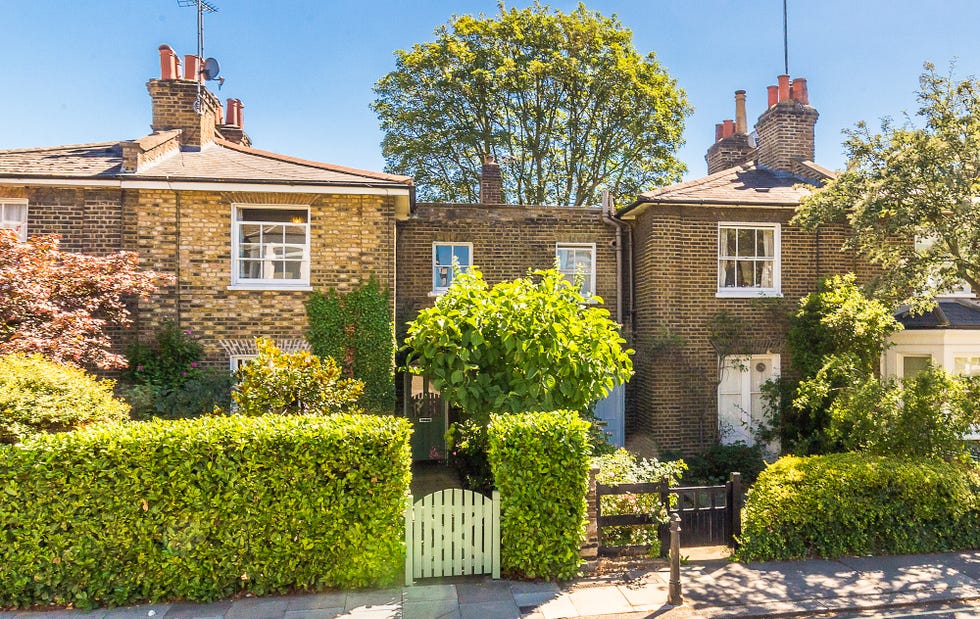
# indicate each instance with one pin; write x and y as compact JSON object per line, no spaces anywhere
{"x":541,"y":463}
{"x":202,"y":509}
{"x":858,"y":504}
{"x":356,"y":329}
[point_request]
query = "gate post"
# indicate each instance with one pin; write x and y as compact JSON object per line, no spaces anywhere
{"x":590,"y":548}
{"x":735,"y":504}
{"x":674,"y":597}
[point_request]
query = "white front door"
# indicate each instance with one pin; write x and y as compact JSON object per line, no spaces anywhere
{"x":740,"y":406}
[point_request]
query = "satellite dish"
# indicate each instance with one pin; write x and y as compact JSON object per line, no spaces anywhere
{"x":211,"y":69}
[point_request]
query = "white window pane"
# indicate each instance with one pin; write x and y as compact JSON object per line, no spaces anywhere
{"x":763,"y":274}
{"x":967,"y":366}
{"x":441,"y":276}
{"x":913,"y":365}
{"x":729,"y":243}
{"x":727,"y":274}
{"x":746,"y":242}
{"x":744,"y":275}
{"x":764,"y":245}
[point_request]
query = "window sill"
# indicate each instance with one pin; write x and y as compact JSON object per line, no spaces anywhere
{"x":748,"y":293}
{"x":277,"y":287}
{"x":436,"y":293}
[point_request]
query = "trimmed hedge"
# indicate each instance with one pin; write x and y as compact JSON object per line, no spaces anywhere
{"x":38,"y":396}
{"x":858,"y":504}
{"x":541,"y":464}
{"x":202,"y":509}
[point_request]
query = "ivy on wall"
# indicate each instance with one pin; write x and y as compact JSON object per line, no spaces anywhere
{"x":356,"y":330}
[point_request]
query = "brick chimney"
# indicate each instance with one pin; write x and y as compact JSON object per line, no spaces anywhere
{"x":731,"y":147}
{"x":491,"y":183}
{"x":785,"y":129}
{"x":233,"y":128}
{"x":174,"y":98}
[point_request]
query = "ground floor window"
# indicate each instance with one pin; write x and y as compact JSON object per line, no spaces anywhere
{"x":741,"y":408}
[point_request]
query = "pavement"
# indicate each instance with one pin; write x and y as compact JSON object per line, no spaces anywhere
{"x":711,"y":588}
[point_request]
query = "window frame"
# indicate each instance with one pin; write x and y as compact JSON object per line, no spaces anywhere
{"x":440,"y":290}
{"x":240,"y":283}
{"x":237,"y":361}
{"x":592,"y":273}
{"x":21,"y":227}
{"x":753,"y":291}
{"x":900,"y":366}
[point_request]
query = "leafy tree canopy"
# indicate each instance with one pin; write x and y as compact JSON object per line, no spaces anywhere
{"x":563,"y":100}
{"x":59,"y":304}
{"x":913,"y":183}
{"x":532,"y":344}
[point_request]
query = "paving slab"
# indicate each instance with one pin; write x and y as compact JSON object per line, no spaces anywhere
{"x":489,"y":610}
{"x":257,"y":608}
{"x":368,"y":599}
{"x":429,"y":609}
{"x":313,"y":601}
{"x":187,"y":610}
{"x":598,"y":601}
{"x":485,"y":591}
{"x":560,"y":607}
{"x":430,"y":593}
{"x":380,"y":611}
{"x":135,"y":612}
{"x":314,"y":613}
{"x":645,"y":596}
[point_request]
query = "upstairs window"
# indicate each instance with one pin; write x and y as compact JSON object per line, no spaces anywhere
{"x":271,"y":246}
{"x":577,"y":260}
{"x":748,"y":260}
{"x":443,"y":257}
{"x":13,"y":215}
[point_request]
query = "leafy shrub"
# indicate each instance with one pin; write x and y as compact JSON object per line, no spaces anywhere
{"x":858,"y":504}
{"x":540,"y":463}
{"x":203,"y":509}
{"x":39,"y":396}
{"x":356,"y":329}
{"x":622,"y":467}
{"x":282,"y":383}
{"x":716,"y":464}
{"x":468,"y":442}
{"x":926,"y":415}
{"x":166,"y":378}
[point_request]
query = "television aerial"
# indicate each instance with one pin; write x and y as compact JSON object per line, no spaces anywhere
{"x":210,"y":69}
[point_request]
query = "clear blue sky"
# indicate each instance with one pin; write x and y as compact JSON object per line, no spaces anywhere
{"x":74,"y":71}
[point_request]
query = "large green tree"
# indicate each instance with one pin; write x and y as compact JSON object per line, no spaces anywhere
{"x":915,"y":182}
{"x":563,"y":101}
{"x":532,"y":344}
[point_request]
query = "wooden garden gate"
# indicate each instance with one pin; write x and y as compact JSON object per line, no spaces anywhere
{"x":452,"y":532}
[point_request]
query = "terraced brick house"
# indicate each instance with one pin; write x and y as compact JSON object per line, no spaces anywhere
{"x":248,"y":233}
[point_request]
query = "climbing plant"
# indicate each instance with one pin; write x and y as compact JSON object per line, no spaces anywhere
{"x":355,"y":328}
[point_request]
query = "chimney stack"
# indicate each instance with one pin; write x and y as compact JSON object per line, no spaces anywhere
{"x":175,"y":100}
{"x":731,"y":147}
{"x":786,"y":129}
{"x":491,"y":183}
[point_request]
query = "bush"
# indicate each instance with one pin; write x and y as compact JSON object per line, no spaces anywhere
{"x":356,"y":329}
{"x":467,"y":442}
{"x":622,"y":467}
{"x":203,"y":509}
{"x":715,"y":465}
{"x":39,"y":396}
{"x":540,"y":463}
{"x":167,"y":380}
{"x":925,"y":415}
{"x":858,"y":504}
{"x":293,"y":383}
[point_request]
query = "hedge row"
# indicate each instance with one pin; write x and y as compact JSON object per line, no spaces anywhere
{"x":858,"y":504}
{"x":540,"y":464}
{"x":202,"y":509}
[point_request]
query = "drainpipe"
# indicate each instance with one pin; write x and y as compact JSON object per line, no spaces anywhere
{"x":610,"y":220}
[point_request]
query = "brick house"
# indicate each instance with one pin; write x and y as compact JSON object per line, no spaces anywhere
{"x":246,"y":232}
{"x":693,"y":271}
{"x":716,"y":266}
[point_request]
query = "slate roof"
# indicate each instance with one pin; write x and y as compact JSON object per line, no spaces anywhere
{"x":748,"y":185}
{"x":948,"y":314}
{"x":218,"y":162}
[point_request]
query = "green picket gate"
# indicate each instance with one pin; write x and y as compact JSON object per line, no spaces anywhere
{"x":452,"y":532}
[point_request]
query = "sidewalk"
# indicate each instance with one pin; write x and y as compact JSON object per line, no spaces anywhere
{"x":711,"y":589}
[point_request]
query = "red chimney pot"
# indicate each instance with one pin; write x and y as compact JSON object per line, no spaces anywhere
{"x":800,"y":92}
{"x":783,"y":87}
{"x":168,"y":63}
{"x":718,"y":131}
{"x":192,"y":67}
{"x":729,"y":128}
{"x":773,"y":95}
